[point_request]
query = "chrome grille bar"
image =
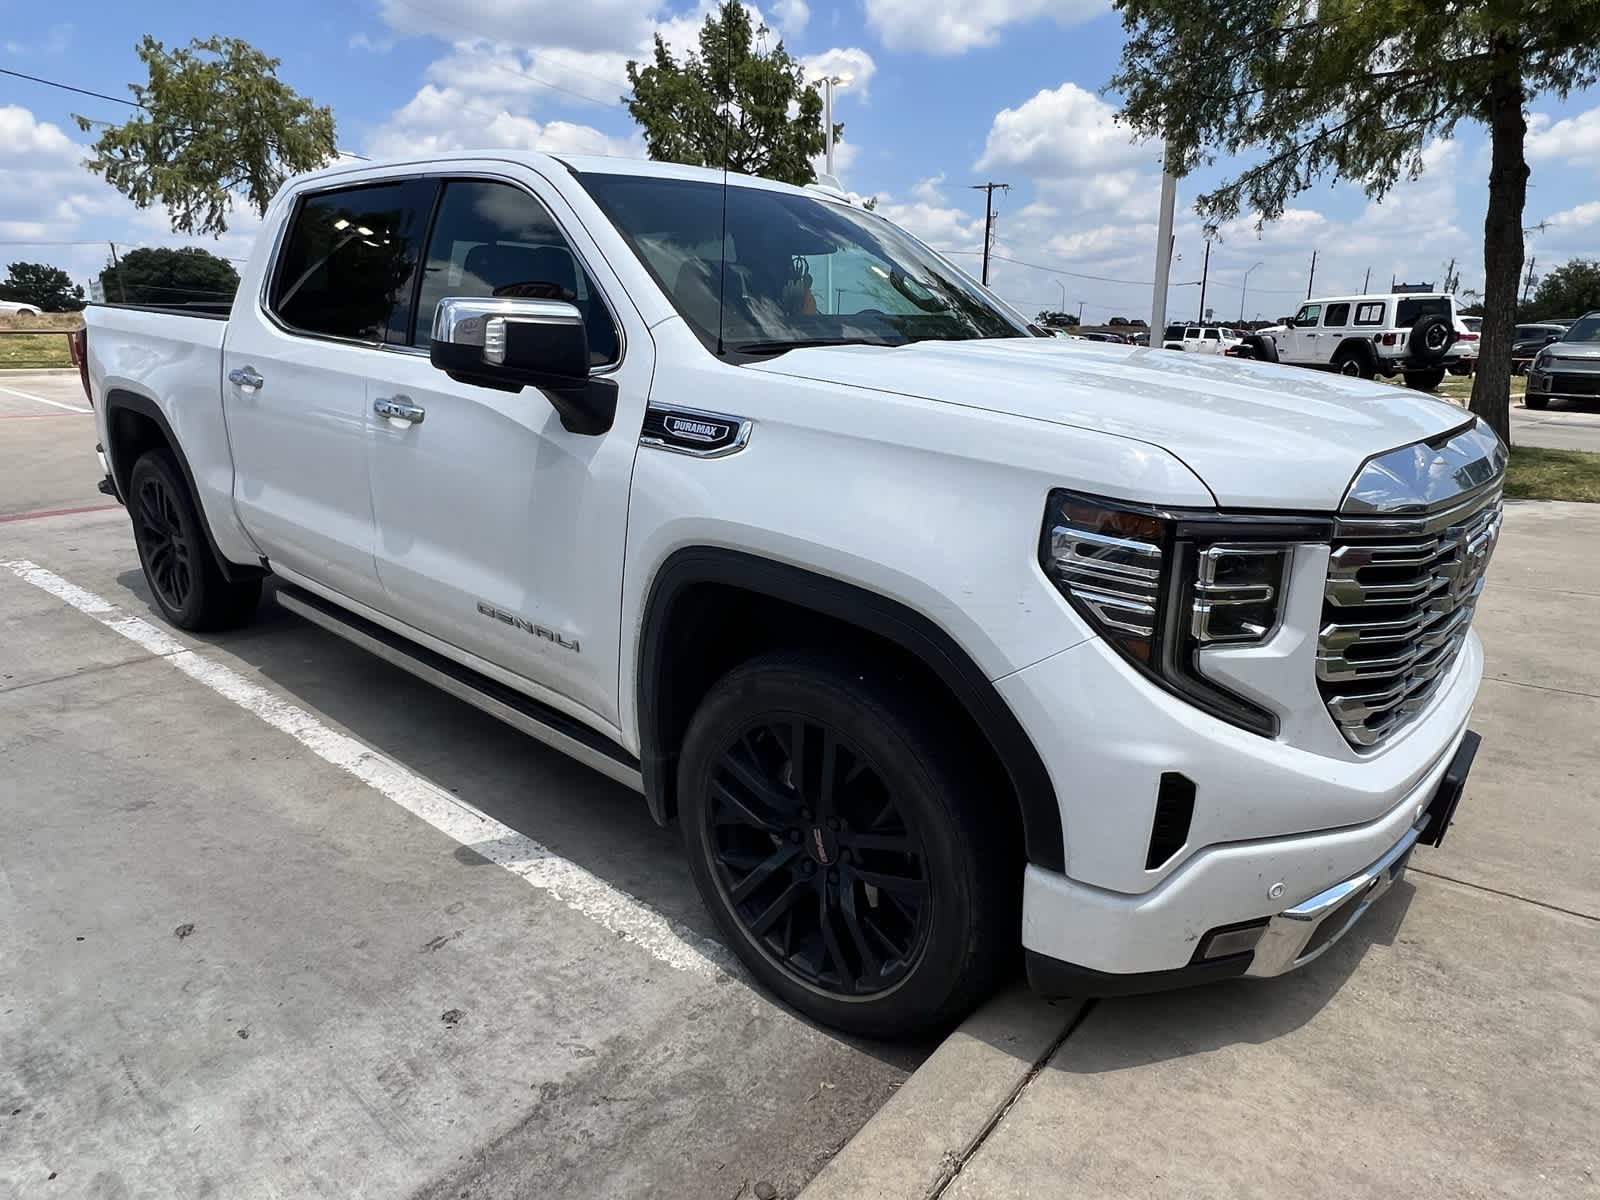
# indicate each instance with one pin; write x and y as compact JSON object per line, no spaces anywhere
{"x":1399,"y":599}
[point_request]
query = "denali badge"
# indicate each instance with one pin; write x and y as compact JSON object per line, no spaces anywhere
{"x":689,"y":431}
{"x":538,"y":631}
{"x":696,"y":430}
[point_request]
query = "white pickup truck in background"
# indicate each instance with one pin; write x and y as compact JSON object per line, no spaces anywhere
{"x":937,"y":639}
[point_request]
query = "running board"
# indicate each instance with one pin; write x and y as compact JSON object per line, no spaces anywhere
{"x":539,"y":721}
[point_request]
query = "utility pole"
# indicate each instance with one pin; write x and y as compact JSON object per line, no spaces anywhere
{"x":1366,"y":281}
{"x":1245,"y":291}
{"x":1169,"y":201}
{"x":1080,"y":312}
{"x":116,"y":265}
{"x":1312,"y":281}
{"x":1528,"y":286}
{"x":1448,"y":272}
{"x":988,"y":220}
{"x":1205,"y":270}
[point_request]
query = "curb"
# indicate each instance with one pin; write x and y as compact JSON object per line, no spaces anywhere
{"x":917,"y":1142}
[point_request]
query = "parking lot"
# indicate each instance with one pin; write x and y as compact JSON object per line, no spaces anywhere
{"x":281,"y":921}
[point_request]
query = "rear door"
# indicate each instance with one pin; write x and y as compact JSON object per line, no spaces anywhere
{"x":1335,"y":327}
{"x":295,"y":369}
{"x":500,"y":532}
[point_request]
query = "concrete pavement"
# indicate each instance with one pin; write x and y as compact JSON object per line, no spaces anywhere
{"x":1448,"y":1047}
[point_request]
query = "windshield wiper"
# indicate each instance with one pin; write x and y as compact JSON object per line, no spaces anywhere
{"x":775,"y":347}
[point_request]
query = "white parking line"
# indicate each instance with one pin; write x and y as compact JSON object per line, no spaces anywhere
{"x":42,"y":400}
{"x":625,"y":915}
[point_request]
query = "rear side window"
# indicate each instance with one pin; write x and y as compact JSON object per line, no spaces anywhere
{"x":350,"y":261}
{"x":1192,"y":334}
{"x":1213,"y":336}
{"x":494,"y":239}
{"x":1174,"y":333}
{"x":1369,"y":314}
{"x":1409,"y":312}
{"x":1338,"y":315}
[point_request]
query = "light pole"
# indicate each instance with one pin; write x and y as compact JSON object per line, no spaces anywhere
{"x":1245,"y":290}
{"x":829,"y":82}
{"x":1063,"y":289}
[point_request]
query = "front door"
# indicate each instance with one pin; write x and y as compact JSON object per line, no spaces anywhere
{"x":500,"y":532}
{"x":295,"y":370}
{"x":1298,"y":343}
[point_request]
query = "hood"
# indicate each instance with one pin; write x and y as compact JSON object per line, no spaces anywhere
{"x":1260,"y":435}
{"x":1587,"y":352}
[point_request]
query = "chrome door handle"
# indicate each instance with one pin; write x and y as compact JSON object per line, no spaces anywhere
{"x":400,"y":408}
{"x":246,"y":378}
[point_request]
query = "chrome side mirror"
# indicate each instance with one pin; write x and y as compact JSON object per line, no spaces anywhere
{"x":512,"y":342}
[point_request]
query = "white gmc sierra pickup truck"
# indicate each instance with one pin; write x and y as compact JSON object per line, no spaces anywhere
{"x":935,"y":637}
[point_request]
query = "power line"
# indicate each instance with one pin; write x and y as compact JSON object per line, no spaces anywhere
{"x":67,"y":87}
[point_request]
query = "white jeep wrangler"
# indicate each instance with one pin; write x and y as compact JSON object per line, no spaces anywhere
{"x":1417,"y":335}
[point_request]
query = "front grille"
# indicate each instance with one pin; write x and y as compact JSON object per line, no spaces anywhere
{"x":1575,"y":385}
{"x":1396,"y":611}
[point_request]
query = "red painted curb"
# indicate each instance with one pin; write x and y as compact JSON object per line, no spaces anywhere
{"x":57,"y":512}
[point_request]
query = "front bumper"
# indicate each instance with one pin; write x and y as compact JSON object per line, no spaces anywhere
{"x":1564,"y":385}
{"x":1288,"y":939}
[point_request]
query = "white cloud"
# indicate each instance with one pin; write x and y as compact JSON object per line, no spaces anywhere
{"x":1579,"y":217}
{"x":791,"y":15}
{"x":851,"y":64}
{"x":438,"y":119}
{"x":1574,"y":139}
{"x":954,"y":26}
{"x":594,"y":25}
{"x":1061,"y":133}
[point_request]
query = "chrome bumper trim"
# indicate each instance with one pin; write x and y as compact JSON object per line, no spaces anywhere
{"x":1283,"y":945}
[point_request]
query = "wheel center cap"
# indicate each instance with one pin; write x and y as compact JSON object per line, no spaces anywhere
{"x":824,"y":847}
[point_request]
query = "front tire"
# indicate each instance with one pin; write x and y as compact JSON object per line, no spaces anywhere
{"x":1535,"y":402}
{"x":184,"y":576}
{"x":841,"y":841}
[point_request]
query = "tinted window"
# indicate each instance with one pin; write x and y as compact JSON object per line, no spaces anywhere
{"x":1191,"y":333}
{"x":1308,"y":314}
{"x":494,"y":239}
{"x":1408,"y":312}
{"x":350,"y":259}
{"x":791,"y":269}
{"x":1174,"y":333}
{"x":1369,"y":314}
{"x":1213,"y":336}
{"x":1338,"y":315}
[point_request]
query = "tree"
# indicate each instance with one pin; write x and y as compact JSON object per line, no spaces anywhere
{"x":1568,"y":291}
{"x":1057,"y":320}
{"x":1356,"y":89}
{"x":216,"y":123}
{"x":163,"y":276}
{"x":730,"y":103}
{"x":49,"y":289}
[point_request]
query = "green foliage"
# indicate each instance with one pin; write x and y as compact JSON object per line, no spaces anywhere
{"x":1568,"y":291}
{"x":218,"y":123}
{"x":1351,"y":89}
{"x":162,"y":276}
{"x":731,"y":99}
{"x":1355,"y":90}
{"x":1057,"y":320}
{"x":49,"y":289}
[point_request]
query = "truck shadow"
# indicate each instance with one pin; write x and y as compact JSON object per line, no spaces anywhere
{"x":1138,"y":1031}
{"x":569,"y":809}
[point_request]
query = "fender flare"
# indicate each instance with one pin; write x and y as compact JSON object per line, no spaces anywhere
{"x":120,"y":399}
{"x":906,"y":628}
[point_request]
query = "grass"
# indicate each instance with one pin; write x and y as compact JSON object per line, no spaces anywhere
{"x":1459,"y":387}
{"x":1538,"y":474}
{"x":33,"y":350}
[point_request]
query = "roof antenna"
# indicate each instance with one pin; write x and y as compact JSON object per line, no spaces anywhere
{"x":727,"y":137}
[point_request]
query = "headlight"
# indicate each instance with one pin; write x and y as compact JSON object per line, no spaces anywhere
{"x":1162,"y":585}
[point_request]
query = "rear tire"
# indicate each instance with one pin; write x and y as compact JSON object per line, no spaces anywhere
{"x":1425,"y":381}
{"x":865,"y":879}
{"x":1536,"y":402}
{"x":1266,"y":350}
{"x":183,"y":574}
{"x":1359,"y":361}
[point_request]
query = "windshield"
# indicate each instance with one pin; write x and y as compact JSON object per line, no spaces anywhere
{"x":799,"y":271}
{"x":1585,"y":330}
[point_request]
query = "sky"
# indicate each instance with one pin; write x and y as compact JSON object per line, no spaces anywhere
{"x":941,"y":95}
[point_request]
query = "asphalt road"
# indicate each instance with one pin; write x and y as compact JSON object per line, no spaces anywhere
{"x":279,"y":920}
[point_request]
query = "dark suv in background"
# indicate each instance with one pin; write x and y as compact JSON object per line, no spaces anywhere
{"x":1568,"y":369}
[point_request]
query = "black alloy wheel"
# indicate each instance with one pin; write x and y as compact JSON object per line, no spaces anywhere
{"x":168,"y":552}
{"x":816,"y":858}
